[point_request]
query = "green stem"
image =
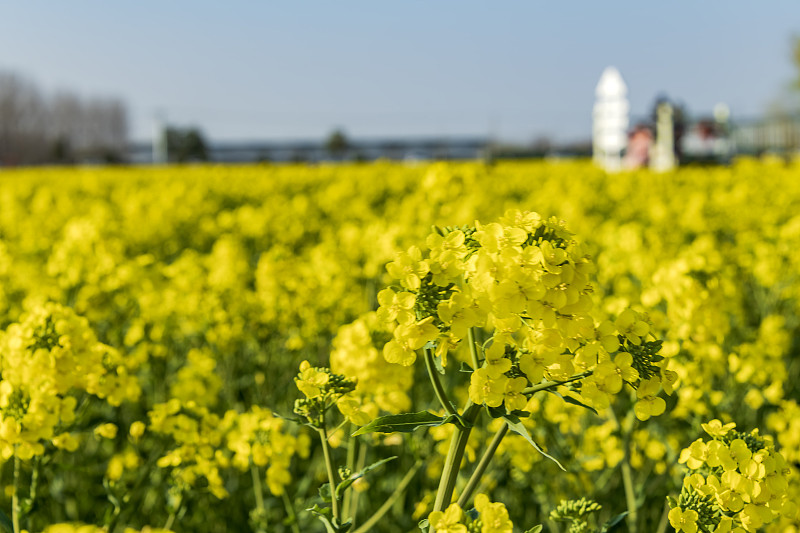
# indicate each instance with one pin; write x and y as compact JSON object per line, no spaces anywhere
{"x":473,"y":348}
{"x":367,"y":526}
{"x":360,"y":464}
{"x":287,"y":503}
{"x":630,"y":497}
{"x":347,"y":511}
{"x":257,"y":490}
{"x":452,"y":463}
{"x":627,"y":475}
{"x":338,"y":428}
{"x":34,"y":488}
{"x":112,"y":522}
{"x":472,"y":484}
{"x":551,"y":384}
{"x":437,"y":384}
{"x":173,"y":514}
{"x":662,"y":524}
{"x":323,"y":434}
{"x":15,"y":509}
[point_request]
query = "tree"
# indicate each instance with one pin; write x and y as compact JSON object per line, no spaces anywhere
{"x":62,"y":128}
{"x":186,"y":144}
{"x":22,"y":122}
{"x":337,"y":144}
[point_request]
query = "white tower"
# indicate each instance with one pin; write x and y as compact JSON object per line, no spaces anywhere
{"x":610,"y":120}
{"x":664,"y":150}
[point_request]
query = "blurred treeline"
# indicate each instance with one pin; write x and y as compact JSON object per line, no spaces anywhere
{"x":58,"y":128}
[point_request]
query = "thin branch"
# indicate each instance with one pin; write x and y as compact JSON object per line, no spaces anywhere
{"x":551,"y":384}
{"x":472,"y":484}
{"x":437,"y":384}
{"x":390,"y":500}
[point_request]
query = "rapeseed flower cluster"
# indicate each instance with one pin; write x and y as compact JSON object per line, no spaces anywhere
{"x":322,"y":390}
{"x":737,"y":482}
{"x":198,"y":453}
{"x":45,"y":361}
{"x":527,"y":281}
{"x":206,"y":445}
{"x":490,"y":517}
{"x":576,"y":513}
{"x":380,"y":386}
{"x":259,"y":438}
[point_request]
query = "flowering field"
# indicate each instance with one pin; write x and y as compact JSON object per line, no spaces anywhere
{"x":383,"y":347}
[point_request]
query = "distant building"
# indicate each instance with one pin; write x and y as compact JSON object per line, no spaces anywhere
{"x":610,"y":120}
{"x":779,"y":135}
{"x":315,"y":151}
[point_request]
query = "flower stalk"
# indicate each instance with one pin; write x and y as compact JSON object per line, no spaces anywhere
{"x":401,"y":488}
{"x":455,"y":454}
{"x":15,"y":507}
{"x":323,"y":434}
{"x":483,"y":464}
{"x":438,"y":388}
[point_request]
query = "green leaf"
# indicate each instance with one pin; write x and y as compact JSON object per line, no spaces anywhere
{"x":573,"y":401}
{"x":5,"y":522}
{"x":465,"y":368}
{"x":323,"y":513}
{"x":295,"y":419}
{"x":516,"y":426}
{"x":535,"y":529}
{"x":344,"y":485}
{"x":613,"y":522}
{"x":456,"y":419}
{"x":325,"y":492}
{"x":404,"y":423}
{"x":317,"y":510}
{"x":496,"y":412}
{"x":331,"y":524}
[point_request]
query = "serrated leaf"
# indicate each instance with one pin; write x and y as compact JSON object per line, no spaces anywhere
{"x":573,"y":401}
{"x":516,"y":426}
{"x":403,"y":423}
{"x":613,"y":522}
{"x":535,"y":529}
{"x":344,"y":485}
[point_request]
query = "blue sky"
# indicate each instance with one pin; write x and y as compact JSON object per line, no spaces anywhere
{"x":512,"y":69}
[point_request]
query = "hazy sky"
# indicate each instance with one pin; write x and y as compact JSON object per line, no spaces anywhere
{"x":516,"y":70}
